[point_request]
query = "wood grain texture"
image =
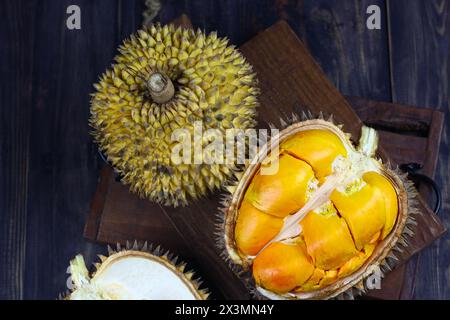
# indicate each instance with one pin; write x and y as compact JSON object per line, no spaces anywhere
{"x":238,"y":20}
{"x":299,"y":80}
{"x":63,"y":161}
{"x":353,"y":62}
{"x":354,"y":58}
{"x":50,"y":70}
{"x":15,"y":118}
{"x":420,"y":59}
{"x":47,"y":155}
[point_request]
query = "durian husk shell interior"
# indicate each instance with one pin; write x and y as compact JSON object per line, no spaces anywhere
{"x":341,"y":285}
{"x":161,"y":260}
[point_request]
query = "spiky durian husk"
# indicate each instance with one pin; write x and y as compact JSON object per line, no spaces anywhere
{"x":213,"y":84}
{"x":354,"y":288}
{"x":162,"y":256}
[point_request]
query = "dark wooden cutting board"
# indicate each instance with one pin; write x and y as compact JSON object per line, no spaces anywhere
{"x":291,"y":82}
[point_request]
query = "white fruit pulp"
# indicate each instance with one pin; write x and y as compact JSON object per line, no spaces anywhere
{"x":139,"y":278}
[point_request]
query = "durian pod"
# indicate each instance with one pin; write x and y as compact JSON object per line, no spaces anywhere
{"x":166,"y":86}
{"x":135,"y":272}
{"x":297,"y":235}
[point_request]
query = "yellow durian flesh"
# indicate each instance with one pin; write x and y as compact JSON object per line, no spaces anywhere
{"x":304,"y":146}
{"x":324,"y":231}
{"x":277,"y":267}
{"x":364,"y":211}
{"x":338,"y":237}
{"x":283,"y":192}
{"x":382,"y":184}
{"x":255,"y":228}
{"x":357,"y":261}
{"x":313,"y":282}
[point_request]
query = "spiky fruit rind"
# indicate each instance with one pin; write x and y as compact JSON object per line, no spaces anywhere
{"x":384,"y":257}
{"x":213,"y":84}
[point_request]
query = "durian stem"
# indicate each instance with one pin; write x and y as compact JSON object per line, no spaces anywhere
{"x":368,"y":143}
{"x":160,"y":87}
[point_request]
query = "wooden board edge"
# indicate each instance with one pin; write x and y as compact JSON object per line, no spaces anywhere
{"x":434,"y":141}
{"x":92,"y":225}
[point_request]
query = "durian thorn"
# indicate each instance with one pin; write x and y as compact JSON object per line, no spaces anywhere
{"x":160,"y":87}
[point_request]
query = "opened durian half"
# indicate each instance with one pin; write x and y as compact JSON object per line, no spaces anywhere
{"x":324,"y":220}
{"x":164,"y":82}
{"x":136,"y":273}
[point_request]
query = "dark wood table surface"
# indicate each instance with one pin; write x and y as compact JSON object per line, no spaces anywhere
{"x":49,"y":165}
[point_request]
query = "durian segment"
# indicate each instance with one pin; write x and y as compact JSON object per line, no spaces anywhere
{"x":313,"y":282}
{"x":376,"y":180}
{"x":134,"y":275}
{"x":282,"y":267}
{"x":357,"y":261}
{"x":319,"y":148}
{"x":254,"y":229}
{"x":284,"y":192}
{"x":214,"y":86}
{"x":329,"y":277}
{"x":328,"y":240}
{"x":363,"y":210}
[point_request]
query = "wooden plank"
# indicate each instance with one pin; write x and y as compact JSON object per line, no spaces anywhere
{"x":298,"y":80}
{"x":354,"y":58}
{"x":15,"y":118}
{"x":238,"y":20}
{"x":129,"y":18}
{"x":420,"y":73}
{"x":63,"y":165}
{"x":93,"y":221}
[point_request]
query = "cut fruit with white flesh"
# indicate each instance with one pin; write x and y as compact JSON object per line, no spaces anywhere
{"x":345,"y":171}
{"x":132,"y":275}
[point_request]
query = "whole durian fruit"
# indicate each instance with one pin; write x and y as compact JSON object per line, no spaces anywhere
{"x":166,"y":79}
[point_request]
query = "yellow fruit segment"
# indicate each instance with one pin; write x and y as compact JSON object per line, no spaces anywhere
{"x":254,"y":229}
{"x":364,"y":211}
{"x":329,"y":277}
{"x":328,"y":240}
{"x":282,"y":267}
{"x":313,"y":282}
{"x":356,"y":262}
{"x":379,"y":182}
{"x":319,"y":148}
{"x":282,"y":193}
